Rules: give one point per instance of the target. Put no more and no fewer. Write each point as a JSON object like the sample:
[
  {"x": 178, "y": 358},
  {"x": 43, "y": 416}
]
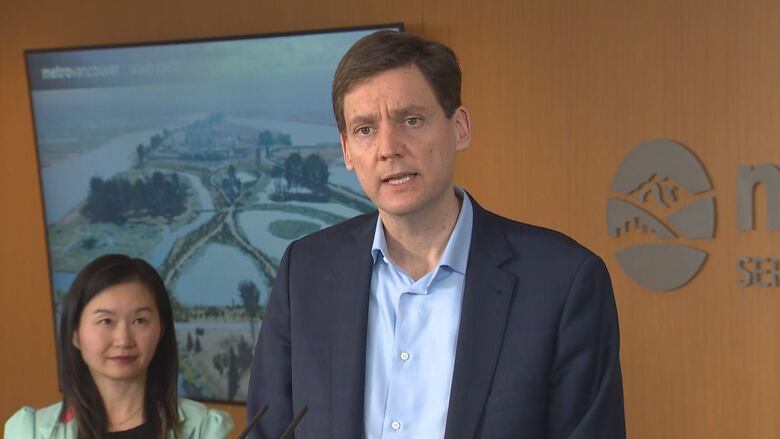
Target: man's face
[{"x": 400, "y": 143}]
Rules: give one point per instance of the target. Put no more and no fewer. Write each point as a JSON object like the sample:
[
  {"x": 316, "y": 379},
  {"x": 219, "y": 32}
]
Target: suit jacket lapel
[
  {"x": 486, "y": 297},
  {"x": 350, "y": 319}
]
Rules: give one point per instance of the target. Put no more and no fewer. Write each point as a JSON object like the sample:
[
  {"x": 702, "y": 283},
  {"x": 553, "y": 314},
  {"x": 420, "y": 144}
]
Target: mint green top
[{"x": 197, "y": 422}]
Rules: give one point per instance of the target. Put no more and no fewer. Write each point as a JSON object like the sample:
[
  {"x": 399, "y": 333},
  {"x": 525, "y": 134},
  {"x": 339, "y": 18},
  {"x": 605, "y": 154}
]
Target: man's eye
[
  {"x": 363, "y": 131},
  {"x": 413, "y": 121}
]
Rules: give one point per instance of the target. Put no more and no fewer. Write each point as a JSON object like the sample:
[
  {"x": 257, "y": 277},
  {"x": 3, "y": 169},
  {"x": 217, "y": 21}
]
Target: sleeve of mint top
[
  {"x": 21, "y": 425},
  {"x": 201, "y": 422},
  {"x": 216, "y": 425}
]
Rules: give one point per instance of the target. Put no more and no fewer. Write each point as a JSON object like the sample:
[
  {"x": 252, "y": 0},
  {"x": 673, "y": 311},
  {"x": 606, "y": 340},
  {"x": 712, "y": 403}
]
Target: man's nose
[{"x": 391, "y": 142}]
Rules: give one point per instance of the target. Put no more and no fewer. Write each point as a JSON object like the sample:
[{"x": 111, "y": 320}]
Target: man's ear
[
  {"x": 345, "y": 152},
  {"x": 462, "y": 126}
]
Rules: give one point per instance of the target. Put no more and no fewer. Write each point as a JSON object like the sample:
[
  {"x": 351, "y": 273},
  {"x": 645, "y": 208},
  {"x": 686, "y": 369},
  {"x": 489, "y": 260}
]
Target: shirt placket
[{"x": 399, "y": 413}]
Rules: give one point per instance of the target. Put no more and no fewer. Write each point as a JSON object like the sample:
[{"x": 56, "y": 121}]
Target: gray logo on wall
[{"x": 661, "y": 191}]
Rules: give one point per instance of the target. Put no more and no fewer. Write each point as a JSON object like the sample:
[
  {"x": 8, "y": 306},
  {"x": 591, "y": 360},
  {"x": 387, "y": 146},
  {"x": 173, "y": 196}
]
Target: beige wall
[{"x": 559, "y": 92}]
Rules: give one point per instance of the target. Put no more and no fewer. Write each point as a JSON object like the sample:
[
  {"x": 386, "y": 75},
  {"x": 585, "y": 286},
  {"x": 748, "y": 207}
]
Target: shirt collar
[{"x": 456, "y": 253}]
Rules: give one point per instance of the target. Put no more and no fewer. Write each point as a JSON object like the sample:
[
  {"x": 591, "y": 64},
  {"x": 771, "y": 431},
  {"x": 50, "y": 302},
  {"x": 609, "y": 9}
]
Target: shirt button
[
  {"x": 405, "y": 356},
  {"x": 396, "y": 425}
]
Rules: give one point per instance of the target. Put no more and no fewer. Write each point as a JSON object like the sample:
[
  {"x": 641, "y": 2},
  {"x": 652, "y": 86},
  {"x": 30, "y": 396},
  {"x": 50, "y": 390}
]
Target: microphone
[
  {"x": 291, "y": 428},
  {"x": 253, "y": 422}
]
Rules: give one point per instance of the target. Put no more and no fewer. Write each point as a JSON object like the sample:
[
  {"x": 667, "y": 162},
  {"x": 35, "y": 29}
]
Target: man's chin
[{"x": 400, "y": 209}]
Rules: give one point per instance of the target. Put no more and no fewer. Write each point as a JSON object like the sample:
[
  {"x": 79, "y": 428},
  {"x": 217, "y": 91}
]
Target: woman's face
[{"x": 119, "y": 332}]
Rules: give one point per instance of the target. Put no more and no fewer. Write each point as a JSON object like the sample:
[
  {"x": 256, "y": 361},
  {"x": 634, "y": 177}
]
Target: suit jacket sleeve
[
  {"x": 270, "y": 379},
  {"x": 586, "y": 399}
]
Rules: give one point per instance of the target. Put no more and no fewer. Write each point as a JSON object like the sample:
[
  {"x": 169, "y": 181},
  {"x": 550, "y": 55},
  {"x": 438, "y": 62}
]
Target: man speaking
[{"x": 431, "y": 318}]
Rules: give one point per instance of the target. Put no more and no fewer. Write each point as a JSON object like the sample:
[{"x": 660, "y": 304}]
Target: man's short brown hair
[{"x": 386, "y": 50}]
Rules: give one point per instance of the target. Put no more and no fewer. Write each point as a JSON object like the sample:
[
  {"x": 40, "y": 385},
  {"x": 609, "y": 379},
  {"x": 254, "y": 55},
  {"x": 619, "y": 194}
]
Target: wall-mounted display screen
[{"x": 205, "y": 158}]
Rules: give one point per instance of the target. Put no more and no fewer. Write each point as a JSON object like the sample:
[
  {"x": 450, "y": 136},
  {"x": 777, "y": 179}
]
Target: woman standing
[{"x": 119, "y": 364}]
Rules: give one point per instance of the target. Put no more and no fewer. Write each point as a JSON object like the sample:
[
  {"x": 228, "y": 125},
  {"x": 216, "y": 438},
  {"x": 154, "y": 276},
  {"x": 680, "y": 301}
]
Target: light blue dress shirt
[{"x": 412, "y": 337}]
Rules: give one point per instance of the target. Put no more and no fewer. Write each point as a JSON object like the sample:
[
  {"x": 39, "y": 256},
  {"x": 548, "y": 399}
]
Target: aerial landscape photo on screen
[{"x": 204, "y": 158}]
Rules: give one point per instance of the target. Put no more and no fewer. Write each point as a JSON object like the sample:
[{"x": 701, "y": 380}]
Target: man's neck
[{"x": 416, "y": 242}]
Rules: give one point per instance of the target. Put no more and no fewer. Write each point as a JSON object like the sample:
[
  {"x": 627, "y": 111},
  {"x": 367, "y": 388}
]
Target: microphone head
[
  {"x": 253, "y": 422},
  {"x": 291, "y": 428}
]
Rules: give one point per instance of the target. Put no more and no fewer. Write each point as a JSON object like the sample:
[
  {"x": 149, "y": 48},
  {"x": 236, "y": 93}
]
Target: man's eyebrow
[
  {"x": 361, "y": 119},
  {"x": 398, "y": 113},
  {"x": 407, "y": 110}
]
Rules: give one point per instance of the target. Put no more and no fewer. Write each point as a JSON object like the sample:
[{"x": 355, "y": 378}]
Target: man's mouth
[{"x": 398, "y": 179}]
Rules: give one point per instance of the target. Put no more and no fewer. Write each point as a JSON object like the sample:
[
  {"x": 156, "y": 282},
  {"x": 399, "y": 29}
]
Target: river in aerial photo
[{"x": 212, "y": 277}]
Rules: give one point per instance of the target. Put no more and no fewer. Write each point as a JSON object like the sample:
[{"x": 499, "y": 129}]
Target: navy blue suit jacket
[{"x": 537, "y": 353}]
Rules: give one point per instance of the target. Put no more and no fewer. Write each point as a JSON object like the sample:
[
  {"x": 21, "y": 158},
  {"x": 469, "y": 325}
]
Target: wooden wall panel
[{"x": 559, "y": 92}]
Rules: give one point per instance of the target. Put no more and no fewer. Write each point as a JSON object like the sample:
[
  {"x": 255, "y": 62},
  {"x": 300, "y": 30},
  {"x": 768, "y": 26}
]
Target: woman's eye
[
  {"x": 139, "y": 321},
  {"x": 104, "y": 322}
]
